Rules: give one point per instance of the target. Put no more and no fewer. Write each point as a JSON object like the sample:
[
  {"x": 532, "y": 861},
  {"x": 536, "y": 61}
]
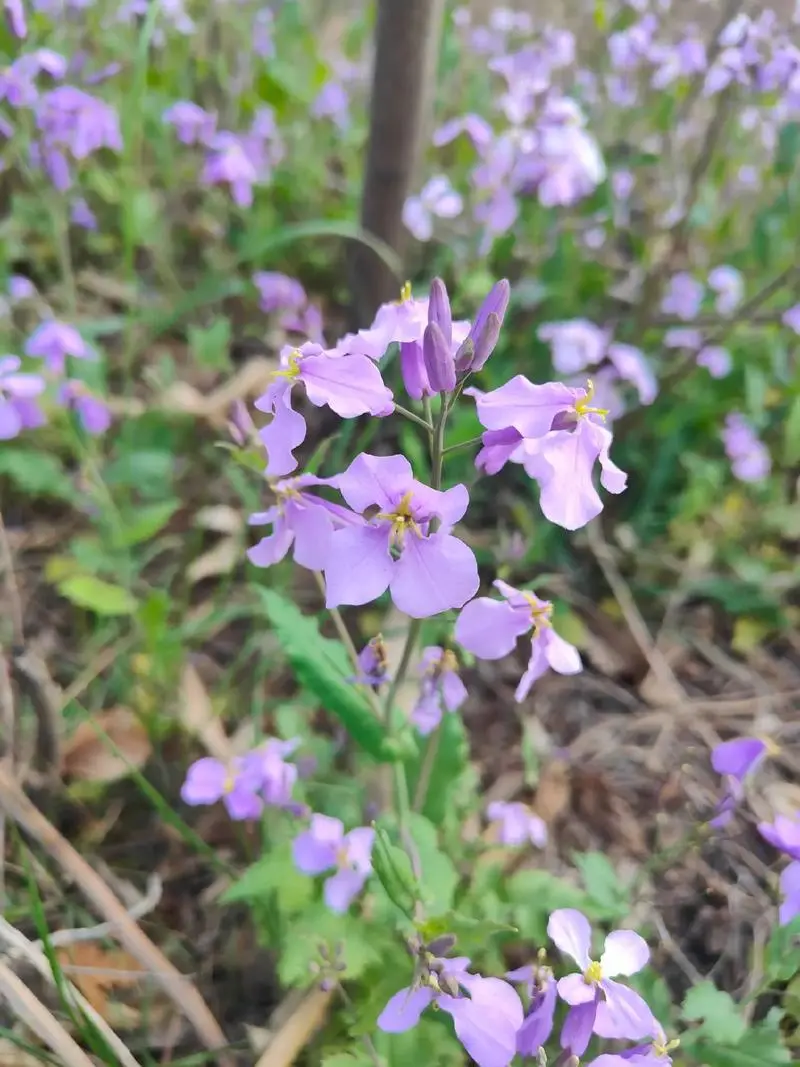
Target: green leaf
[
  {"x": 760, "y": 1046},
  {"x": 322, "y": 667},
  {"x": 788, "y": 149},
  {"x": 451, "y": 761},
  {"x": 347, "y": 1059},
  {"x": 320, "y": 932},
  {"x": 791, "y": 434},
  {"x": 782, "y": 955},
  {"x": 535, "y": 893},
  {"x": 602, "y": 884},
  {"x": 274, "y": 873},
  {"x": 466, "y": 929},
  {"x": 438, "y": 876},
  {"x": 719, "y": 1013},
  {"x": 147, "y": 520},
  {"x": 36, "y": 473},
  {"x": 98, "y": 596},
  {"x": 393, "y": 869},
  {"x": 210, "y": 345}
]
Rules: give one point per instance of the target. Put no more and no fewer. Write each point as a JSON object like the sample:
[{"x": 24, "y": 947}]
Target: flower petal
[
  {"x": 623, "y": 1013},
  {"x": 574, "y": 990},
  {"x": 349, "y": 385},
  {"x": 433, "y": 575},
  {"x": 571, "y": 932},
  {"x": 561, "y": 655},
  {"x": 577, "y": 1029},
  {"x": 342, "y": 887},
  {"x": 313, "y": 533},
  {"x": 359, "y": 567},
  {"x": 490, "y": 628},
  {"x": 487, "y": 1022},
  {"x": 403, "y": 1010},
  {"x": 375, "y": 480},
  {"x": 281, "y": 436},
  {"x": 529, "y": 408},
  {"x": 625, "y": 952}
]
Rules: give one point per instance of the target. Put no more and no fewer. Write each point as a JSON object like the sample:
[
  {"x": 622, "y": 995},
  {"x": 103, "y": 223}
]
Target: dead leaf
[
  {"x": 221, "y": 518},
  {"x": 554, "y": 791},
  {"x": 198, "y": 716},
  {"x": 221, "y": 559},
  {"x": 96, "y": 971},
  {"x": 88, "y": 757}
]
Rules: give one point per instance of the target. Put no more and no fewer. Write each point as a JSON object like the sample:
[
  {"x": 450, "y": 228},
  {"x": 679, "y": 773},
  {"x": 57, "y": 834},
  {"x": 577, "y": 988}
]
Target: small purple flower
[
  {"x": 716, "y": 360},
  {"x": 535, "y": 1031},
  {"x": 728, "y": 284},
  {"x": 349, "y": 385},
  {"x": 486, "y": 1012},
  {"x": 15, "y": 13},
  {"x": 656, "y": 1053},
  {"x": 332, "y": 102},
  {"x": 236, "y": 784},
  {"x": 396, "y": 548},
  {"x": 93, "y": 413},
  {"x": 783, "y": 834},
  {"x": 734, "y": 760},
  {"x": 476, "y": 128},
  {"x": 193, "y": 125},
  {"x": 441, "y": 689},
  {"x": 631, "y": 365},
  {"x": 683, "y": 297},
  {"x": 373, "y": 664},
  {"x": 790, "y": 891},
  {"x": 235, "y": 161},
  {"x": 490, "y": 629},
  {"x": 575, "y": 344},
  {"x": 82, "y": 215},
  {"x": 598, "y": 1004},
  {"x": 517, "y": 824},
  {"x": 298, "y": 518},
  {"x": 683, "y": 337},
  {"x": 20, "y": 288},
  {"x": 278, "y": 292},
  {"x": 53, "y": 341},
  {"x": 791, "y": 318},
  {"x": 278, "y": 775},
  {"x": 18, "y": 409},
  {"x": 325, "y": 845},
  {"x": 72, "y": 119},
  {"x": 437, "y": 200},
  {"x": 750, "y": 460}
]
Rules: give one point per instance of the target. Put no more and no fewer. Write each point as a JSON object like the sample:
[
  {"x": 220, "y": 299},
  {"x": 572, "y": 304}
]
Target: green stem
[
  {"x": 413, "y": 418},
  {"x": 463, "y": 444},
  {"x": 426, "y": 770}
]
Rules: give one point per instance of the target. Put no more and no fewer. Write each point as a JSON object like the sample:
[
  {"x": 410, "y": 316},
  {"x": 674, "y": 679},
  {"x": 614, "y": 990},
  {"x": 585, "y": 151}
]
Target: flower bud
[
  {"x": 393, "y": 869},
  {"x": 438, "y": 360},
  {"x": 465, "y": 356},
  {"x": 486, "y": 327},
  {"x": 439, "y": 309},
  {"x": 413, "y": 370}
]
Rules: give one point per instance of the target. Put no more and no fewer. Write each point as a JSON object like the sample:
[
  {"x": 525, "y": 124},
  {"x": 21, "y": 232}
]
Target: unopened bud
[
  {"x": 486, "y": 341},
  {"x": 441, "y": 945},
  {"x": 393, "y": 869},
  {"x": 486, "y": 327},
  {"x": 412, "y": 369},
  {"x": 439, "y": 309},
  {"x": 465, "y": 355},
  {"x": 438, "y": 360}
]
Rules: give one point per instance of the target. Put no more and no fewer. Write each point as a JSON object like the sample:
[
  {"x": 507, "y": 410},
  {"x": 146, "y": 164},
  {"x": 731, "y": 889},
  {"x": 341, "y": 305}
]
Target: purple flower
[
  {"x": 437, "y": 199},
  {"x": 349, "y": 385},
  {"x": 243, "y": 160},
  {"x": 236, "y": 784},
  {"x": 598, "y": 1004},
  {"x": 325, "y": 845},
  {"x": 278, "y": 775},
  {"x": 564, "y": 439},
  {"x": 301, "y": 519},
  {"x": 631, "y": 365},
  {"x": 332, "y": 102},
  {"x": 791, "y": 318},
  {"x": 728, "y": 284},
  {"x": 542, "y": 996},
  {"x": 486, "y": 1012},
  {"x": 734, "y": 760},
  {"x": 656, "y": 1053},
  {"x": 192, "y": 123},
  {"x": 53, "y": 341},
  {"x": 683, "y": 297},
  {"x": 477, "y": 129},
  {"x": 716, "y": 360},
  {"x": 575, "y": 344},
  {"x": 15, "y": 13},
  {"x": 490, "y": 629},
  {"x": 373, "y": 664},
  {"x": 783, "y": 834},
  {"x": 82, "y": 215},
  {"x": 20, "y": 288},
  {"x": 18, "y": 409},
  {"x": 485, "y": 330},
  {"x": 93, "y": 413},
  {"x": 441, "y": 689},
  {"x": 75, "y": 120},
  {"x": 428, "y": 571},
  {"x": 790, "y": 891},
  {"x": 279, "y": 292},
  {"x": 683, "y": 337},
  {"x": 517, "y": 824},
  {"x": 750, "y": 460}
]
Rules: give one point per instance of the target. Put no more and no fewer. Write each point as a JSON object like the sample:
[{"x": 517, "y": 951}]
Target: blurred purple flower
[
  {"x": 535, "y": 1031},
  {"x": 193, "y": 125},
  {"x": 790, "y": 891},
  {"x": 53, "y": 341},
  {"x": 476, "y": 128},
  {"x": 598, "y": 1004},
  {"x": 299, "y": 518},
  {"x": 575, "y": 344},
  {"x": 325, "y": 845},
  {"x": 20, "y": 288},
  {"x": 683, "y": 337},
  {"x": 332, "y": 102},
  {"x": 750, "y": 460},
  {"x": 631, "y": 365},
  {"x": 791, "y": 318},
  {"x": 93, "y": 413},
  {"x": 683, "y": 297},
  {"x": 18, "y": 409},
  {"x": 262, "y": 37},
  {"x": 490, "y": 629},
  {"x": 716, "y": 360},
  {"x": 441, "y": 689},
  {"x": 656, "y": 1053},
  {"x": 236, "y": 784},
  {"x": 437, "y": 199},
  {"x": 517, "y": 824},
  {"x": 82, "y": 215},
  {"x": 428, "y": 572},
  {"x": 486, "y": 1016},
  {"x": 728, "y": 284},
  {"x": 783, "y": 834},
  {"x": 72, "y": 119},
  {"x": 278, "y": 775},
  {"x": 231, "y": 162},
  {"x": 15, "y": 15},
  {"x": 278, "y": 291},
  {"x": 734, "y": 760},
  {"x": 373, "y": 664}
]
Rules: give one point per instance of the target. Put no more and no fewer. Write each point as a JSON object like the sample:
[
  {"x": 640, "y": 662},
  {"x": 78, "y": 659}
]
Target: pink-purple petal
[
  {"x": 349, "y": 385},
  {"x": 625, "y": 952},
  {"x": 490, "y": 628},
  {"x": 403, "y": 1010},
  {"x": 433, "y": 575},
  {"x": 359, "y": 566},
  {"x": 375, "y": 480},
  {"x": 623, "y": 1013},
  {"x": 569, "y": 929},
  {"x": 573, "y": 989}
]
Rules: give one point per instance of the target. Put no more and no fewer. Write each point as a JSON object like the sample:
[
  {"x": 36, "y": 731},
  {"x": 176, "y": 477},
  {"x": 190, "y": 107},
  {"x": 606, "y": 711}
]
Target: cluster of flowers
[
  {"x": 493, "y": 1026},
  {"x": 737, "y": 761},
  {"x": 52, "y": 342}
]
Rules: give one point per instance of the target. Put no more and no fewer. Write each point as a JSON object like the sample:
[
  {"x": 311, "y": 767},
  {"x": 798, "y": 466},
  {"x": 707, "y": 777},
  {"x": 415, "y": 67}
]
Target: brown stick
[
  {"x": 407, "y": 38},
  {"x": 176, "y": 985}
]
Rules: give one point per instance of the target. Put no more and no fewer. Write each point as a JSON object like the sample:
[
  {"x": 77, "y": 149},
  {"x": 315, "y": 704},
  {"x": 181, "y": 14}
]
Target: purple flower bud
[
  {"x": 15, "y": 15},
  {"x": 438, "y": 360},
  {"x": 439, "y": 309},
  {"x": 486, "y": 328}
]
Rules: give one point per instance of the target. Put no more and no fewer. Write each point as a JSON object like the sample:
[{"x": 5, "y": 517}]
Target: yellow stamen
[
  {"x": 664, "y": 1050},
  {"x": 540, "y": 613},
  {"x": 401, "y": 519},
  {"x": 593, "y": 973},
  {"x": 582, "y": 407},
  {"x": 405, "y": 293},
  {"x": 293, "y": 368},
  {"x": 773, "y": 748}
]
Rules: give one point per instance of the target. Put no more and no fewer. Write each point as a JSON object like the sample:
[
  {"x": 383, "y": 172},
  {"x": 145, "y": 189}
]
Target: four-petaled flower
[
  {"x": 349, "y": 385},
  {"x": 735, "y": 760},
  {"x": 298, "y": 518},
  {"x": 490, "y": 628},
  {"x": 598, "y": 1004},
  {"x": 517, "y": 824},
  {"x": 18, "y": 408},
  {"x": 53, "y": 341},
  {"x": 325, "y": 845},
  {"x": 246, "y": 783},
  {"x": 656, "y": 1053},
  {"x": 441, "y": 689},
  {"x": 542, "y": 997},
  {"x": 486, "y": 1012},
  {"x": 398, "y": 546}
]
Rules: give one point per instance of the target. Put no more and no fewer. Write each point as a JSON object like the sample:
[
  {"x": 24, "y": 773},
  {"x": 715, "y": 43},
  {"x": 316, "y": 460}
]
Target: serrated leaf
[
  {"x": 319, "y": 930},
  {"x": 275, "y": 873},
  {"x": 322, "y": 667},
  {"x": 103, "y": 598},
  {"x": 720, "y": 1016}
]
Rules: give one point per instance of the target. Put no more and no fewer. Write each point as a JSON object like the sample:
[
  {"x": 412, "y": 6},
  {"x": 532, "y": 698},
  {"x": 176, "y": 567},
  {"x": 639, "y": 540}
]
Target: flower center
[
  {"x": 342, "y": 857},
  {"x": 583, "y": 408},
  {"x": 540, "y": 612},
  {"x": 292, "y": 368},
  {"x": 661, "y": 1049},
  {"x": 402, "y": 521},
  {"x": 593, "y": 973},
  {"x": 405, "y": 293}
]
